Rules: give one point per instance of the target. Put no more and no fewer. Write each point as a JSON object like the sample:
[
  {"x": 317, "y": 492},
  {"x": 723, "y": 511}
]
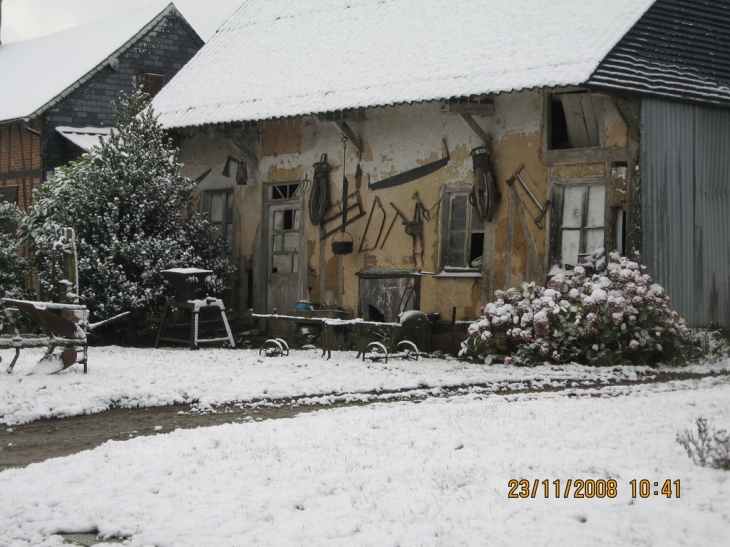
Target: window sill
[{"x": 457, "y": 274}]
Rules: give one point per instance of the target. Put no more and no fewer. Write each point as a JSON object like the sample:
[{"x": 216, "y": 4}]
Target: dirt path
[{"x": 37, "y": 441}]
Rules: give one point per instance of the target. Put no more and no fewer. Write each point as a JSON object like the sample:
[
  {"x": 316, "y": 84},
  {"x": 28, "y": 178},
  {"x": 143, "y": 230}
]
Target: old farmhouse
[
  {"x": 382, "y": 155},
  {"x": 56, "y": 91}
]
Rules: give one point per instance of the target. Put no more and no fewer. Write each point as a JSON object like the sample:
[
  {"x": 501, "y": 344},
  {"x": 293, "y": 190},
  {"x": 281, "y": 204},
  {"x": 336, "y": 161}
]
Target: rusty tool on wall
[
  {"x": 319, "y": 196},
  {"x": 484, "y": 195},
  {"x": 413, "y": 174},
  {"x": 414, "y": 228},
  {"x": 543, "y": 209},
  {"x": 376, "y": 202}
]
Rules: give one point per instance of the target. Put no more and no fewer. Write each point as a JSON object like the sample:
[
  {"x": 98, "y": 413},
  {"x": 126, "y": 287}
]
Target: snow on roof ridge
[{"x": 41, "y": 71}]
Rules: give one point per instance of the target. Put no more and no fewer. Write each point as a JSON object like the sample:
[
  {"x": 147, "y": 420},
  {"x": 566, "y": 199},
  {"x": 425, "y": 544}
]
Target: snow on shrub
[
  {"x": 133, "y": 214},
  {"x": 13, "y": 266},
  {"x": 616, "y": 316}
]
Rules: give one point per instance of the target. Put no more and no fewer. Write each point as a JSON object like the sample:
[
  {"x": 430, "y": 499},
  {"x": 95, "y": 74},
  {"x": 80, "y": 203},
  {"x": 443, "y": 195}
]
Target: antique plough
[
  {"x": 65, "y": 325},
  {"x": 58, "y": 332}
]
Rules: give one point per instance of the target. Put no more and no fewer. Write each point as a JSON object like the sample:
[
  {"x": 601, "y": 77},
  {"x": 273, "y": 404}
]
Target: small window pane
[
  {"x": 295, "y": 262},
  {"x": 570, "y": 246},
  {"x": 457, "y": 249},
  {"x": 282, "y": 263},
  {"x": 296, "y": 219},
  {"x": 458, "y": 212},
  {"x": 573, "y": 206},
  {"x": 594, "y": 239},
  {"x": 596, "y": 206},
  {"x": 278, "y": 243},
  {"x": 278, "y": 220},
  {"x": 476, "y": 224},
  {"x": 216, "y": 207},
  {"x": 291, "y": 241}
]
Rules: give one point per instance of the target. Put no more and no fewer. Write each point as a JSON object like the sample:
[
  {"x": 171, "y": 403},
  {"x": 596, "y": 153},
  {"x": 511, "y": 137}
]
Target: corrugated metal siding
[
  {"x": 685, "y": 198},
  {"x": 678, "y": 49}
]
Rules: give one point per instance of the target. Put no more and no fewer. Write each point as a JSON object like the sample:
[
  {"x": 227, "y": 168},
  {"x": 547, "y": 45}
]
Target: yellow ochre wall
[{"x": 396, "y": 139}]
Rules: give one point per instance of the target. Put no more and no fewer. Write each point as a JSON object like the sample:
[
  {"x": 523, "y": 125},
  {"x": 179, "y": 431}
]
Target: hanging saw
[{"x": 413, "y": 174}]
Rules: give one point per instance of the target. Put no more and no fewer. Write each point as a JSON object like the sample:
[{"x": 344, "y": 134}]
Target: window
[
  {"x": 151, "y": 83},
  {"x": 462, "y": 233},
  {"x": 219, "y": 207},
  {"x": 581, "y": 210},
  {"x": 9, "y": 194},
  {"x": 575, "y": 120},
  {"x": 284, "y": 191}
]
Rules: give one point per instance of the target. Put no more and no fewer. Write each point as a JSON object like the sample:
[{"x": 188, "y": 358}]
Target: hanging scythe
[{"x": 413, "y": 174}]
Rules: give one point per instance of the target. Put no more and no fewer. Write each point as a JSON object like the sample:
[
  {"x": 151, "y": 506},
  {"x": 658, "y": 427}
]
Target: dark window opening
[
  {"x": 476, "y": 249},
  {"x": 558, "y": 128},
  {"x": 284, "y": 191},
  {"x": 288, "y": 219},
  {"x": 575, "y": 120},
  {"x": 9, "y": 194},
  {"x": 151, "y": 83}
]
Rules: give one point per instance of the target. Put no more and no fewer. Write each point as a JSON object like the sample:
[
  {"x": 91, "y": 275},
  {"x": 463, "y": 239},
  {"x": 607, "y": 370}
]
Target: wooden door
[{"x": 283, "y": 249}]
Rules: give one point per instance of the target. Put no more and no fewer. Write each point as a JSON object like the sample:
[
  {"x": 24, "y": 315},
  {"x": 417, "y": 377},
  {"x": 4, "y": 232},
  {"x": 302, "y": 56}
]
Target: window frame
[
  {"x": 448, "y": 192},
  {"x": 228, "y": 219},
  {"x": 151, "y": 82}
]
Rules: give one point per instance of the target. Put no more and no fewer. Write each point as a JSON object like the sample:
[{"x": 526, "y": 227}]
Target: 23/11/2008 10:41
[{"x": 589, "y": 488}]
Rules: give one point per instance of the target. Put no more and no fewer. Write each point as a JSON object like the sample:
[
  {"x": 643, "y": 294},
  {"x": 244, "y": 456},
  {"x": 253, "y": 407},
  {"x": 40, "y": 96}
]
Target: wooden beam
[
  {"x": 480, "y": 108},
  {"x": 350, "y": 134},
  {"x": 478, "y": 131}
]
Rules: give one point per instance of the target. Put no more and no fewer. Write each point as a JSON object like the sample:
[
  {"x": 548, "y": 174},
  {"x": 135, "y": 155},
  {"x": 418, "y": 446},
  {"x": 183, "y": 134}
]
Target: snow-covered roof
[
  {"x": 35, "y": 74},
  {"x": 84, "y": 137},
  {"x": 279, "y": 58}
]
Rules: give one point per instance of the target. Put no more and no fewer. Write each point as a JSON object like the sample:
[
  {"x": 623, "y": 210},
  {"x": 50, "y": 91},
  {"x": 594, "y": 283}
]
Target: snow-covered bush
[
  {"x": 13, "y": 266},
  {"x": 711, "y": 448},
  {"x": 133, "y": 214},
  {"x": 616, "y": 316}
]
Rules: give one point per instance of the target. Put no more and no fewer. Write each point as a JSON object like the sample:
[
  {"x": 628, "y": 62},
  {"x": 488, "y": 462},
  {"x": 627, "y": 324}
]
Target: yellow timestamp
[{"x": 589, "y": 488}]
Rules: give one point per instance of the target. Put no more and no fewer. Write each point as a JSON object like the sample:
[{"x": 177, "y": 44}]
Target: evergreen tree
[
  {"x": 13, "y": 267},
  {"x": 133, "y": 214}
]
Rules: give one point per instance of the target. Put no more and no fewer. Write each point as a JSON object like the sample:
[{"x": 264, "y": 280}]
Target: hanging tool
[
  {"x": 357, "y": 206},
  {"x": 413, "y": 174},
  {"x": 414, "y": 228},
  {"x": 376, "y": 202},
  {"x": 424, "y": 210},
  {"x": 484, "y": 195},
  {"x": 543, "y": 209},
  {"x": 319, "y": 196}
]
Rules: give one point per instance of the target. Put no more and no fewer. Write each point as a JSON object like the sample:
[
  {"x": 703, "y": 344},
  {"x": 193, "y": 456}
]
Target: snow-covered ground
[
  {"x": 435, "y": 473},
  {"x": 128, "y": 377}
]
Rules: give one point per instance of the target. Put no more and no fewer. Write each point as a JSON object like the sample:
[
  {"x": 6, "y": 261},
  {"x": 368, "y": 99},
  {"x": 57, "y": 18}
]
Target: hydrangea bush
[{"x": 617, "y": 316}]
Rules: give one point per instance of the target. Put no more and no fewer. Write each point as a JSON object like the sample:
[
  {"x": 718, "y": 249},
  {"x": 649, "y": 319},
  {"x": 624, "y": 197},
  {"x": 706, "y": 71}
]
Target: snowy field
[
  {"x": 128, "y": 377},
  {"x": 430, "y": 474},
  {"x": 392, "y": 473}
]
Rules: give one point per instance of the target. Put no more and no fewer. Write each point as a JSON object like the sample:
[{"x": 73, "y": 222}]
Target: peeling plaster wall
[{"x": 397, "y": 139}]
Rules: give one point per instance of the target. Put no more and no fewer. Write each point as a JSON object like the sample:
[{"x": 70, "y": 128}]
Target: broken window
[
  {"x": 218, "y": 204},
  {"x": 575, "y": 120},
  {"x": 151, "y": 83},
  {"x": 581, "y": 210},
  {"x": 462, "y": 233}
]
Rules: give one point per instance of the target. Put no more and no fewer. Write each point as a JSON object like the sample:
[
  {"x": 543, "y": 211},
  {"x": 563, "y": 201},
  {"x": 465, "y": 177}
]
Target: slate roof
[
  {"x": 280, "y": 58},
  {"x": 36, "y": 74},
  {"x": 679, "y": 49}
]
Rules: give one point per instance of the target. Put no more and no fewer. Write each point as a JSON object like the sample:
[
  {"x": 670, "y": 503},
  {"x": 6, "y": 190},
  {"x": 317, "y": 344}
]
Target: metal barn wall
[{"x": 685, "y": 162}]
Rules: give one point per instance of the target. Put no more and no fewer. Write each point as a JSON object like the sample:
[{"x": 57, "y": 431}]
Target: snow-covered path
[
  {"x": 133, "y": 377},
  {"x": 434, "y": 473}
]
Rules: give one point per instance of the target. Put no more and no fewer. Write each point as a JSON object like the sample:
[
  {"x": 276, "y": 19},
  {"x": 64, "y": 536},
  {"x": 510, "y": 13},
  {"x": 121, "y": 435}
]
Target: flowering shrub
[{"x": 617, "y": 316}]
